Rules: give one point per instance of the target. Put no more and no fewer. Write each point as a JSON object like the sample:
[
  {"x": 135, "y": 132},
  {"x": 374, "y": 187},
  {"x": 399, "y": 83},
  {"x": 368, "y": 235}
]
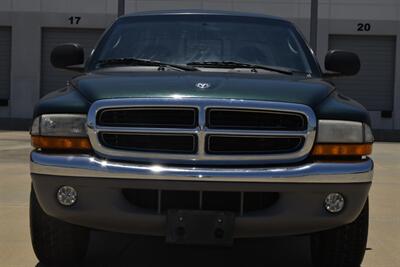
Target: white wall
[
  {"x": 60, "y": 6},
  {"x": 329, "y": 9}
]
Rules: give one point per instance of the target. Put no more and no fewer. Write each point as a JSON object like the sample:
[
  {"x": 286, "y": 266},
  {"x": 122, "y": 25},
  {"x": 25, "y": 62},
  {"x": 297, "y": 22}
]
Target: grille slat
[
  {"x": 148, "y": 117},
  {"x": 162, "y": 143},
  {"x": 252, "y": 144},
  {"x": 255, "y": 120}
]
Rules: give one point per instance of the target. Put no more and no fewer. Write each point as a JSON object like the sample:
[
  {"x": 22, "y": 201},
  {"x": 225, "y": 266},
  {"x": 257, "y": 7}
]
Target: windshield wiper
[
  {"x": 142, "y": 62},
  {"x": 233, "y": 65}
]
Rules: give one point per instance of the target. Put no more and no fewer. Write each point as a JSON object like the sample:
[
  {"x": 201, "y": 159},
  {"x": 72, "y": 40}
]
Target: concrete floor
[{"x": 108, "y": 249}]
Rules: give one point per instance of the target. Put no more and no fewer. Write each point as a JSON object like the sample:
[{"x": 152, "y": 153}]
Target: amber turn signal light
[
  {"x": 342, "y": 150},
  {"x": 61, "y": 143}
]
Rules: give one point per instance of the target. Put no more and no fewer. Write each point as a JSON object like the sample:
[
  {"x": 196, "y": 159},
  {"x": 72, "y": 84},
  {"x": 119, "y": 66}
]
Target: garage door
[
  {"x": 5, "y": 58},
  {"x": 374, "y": 85},
  {"x": 51, "y": 78}
]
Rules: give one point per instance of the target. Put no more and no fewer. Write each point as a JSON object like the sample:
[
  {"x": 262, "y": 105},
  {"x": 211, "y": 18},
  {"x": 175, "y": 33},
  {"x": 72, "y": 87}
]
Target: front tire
[
  {"x": 56, "y": 243},
  {"x": 344, "y": 246}
]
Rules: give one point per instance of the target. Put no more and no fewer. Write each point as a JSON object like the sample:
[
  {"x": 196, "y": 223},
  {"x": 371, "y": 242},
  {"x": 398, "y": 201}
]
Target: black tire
[
  {"x": 56, "y": 243},
  {"x": 344, "y": 246}
]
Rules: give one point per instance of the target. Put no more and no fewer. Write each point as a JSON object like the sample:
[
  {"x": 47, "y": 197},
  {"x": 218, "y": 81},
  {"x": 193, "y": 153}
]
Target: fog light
[
  {"x": 334, "y": 203},
  {"x": 67, "y": 195}
]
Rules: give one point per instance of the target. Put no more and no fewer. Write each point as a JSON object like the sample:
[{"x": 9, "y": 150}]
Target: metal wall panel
[
  {"x": 5, "y": 62},
  {"x": 52, "y": 78},
  {"x": 374, "y": 85}
]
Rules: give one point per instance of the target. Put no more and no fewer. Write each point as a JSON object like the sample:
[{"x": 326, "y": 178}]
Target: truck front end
[{"x": 203, "y": 152}]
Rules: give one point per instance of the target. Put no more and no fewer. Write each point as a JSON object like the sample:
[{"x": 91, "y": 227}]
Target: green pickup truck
[{"x": 201, "y": 127}]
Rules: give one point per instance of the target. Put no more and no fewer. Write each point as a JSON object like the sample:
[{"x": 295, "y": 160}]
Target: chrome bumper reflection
[{"x": 89, "y": 166}]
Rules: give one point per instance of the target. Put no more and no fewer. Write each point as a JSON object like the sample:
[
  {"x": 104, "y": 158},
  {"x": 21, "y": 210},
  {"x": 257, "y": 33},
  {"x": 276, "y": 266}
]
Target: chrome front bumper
[{"x": 90, "y": 166}]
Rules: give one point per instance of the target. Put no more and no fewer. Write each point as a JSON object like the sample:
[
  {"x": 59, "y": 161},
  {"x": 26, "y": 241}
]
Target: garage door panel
[
  {"x": 374, "y": 85},
  {"x": 5, "y": 61},
  {"x": 52, "y": 78}
]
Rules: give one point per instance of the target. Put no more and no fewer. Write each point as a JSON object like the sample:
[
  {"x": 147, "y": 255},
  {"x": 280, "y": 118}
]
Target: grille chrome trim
[{"x": 201, "y": 157}]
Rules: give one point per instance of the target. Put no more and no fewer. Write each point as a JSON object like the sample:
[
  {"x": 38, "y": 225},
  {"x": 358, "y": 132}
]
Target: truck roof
[{"x": 203, "y": 12}]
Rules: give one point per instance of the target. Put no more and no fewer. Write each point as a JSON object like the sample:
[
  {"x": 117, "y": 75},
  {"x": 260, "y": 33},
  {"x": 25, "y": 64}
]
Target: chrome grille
[{"x": 276, "y": 132}]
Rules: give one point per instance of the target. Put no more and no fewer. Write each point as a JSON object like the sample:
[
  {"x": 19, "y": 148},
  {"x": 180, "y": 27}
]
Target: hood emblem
[{"x": 203, "y": 85}]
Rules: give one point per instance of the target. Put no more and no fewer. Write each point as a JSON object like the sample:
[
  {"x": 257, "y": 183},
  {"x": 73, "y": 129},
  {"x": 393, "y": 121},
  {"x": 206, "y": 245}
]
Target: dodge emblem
[{"x": 203, "y": 85}]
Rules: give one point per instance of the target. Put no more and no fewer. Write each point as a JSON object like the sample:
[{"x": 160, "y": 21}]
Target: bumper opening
[{"x": 160, "y": 201}]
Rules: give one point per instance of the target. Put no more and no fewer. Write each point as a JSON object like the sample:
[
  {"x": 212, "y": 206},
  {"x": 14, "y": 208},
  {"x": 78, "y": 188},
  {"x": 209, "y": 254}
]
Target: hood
[{"x": 222, "y": 85}]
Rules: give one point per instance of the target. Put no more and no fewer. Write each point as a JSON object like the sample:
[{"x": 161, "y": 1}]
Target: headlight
[
  {"x": 60, "y": 131},
  {"x": 60, "y": 125},
  {"x": 343, "y": 138}
]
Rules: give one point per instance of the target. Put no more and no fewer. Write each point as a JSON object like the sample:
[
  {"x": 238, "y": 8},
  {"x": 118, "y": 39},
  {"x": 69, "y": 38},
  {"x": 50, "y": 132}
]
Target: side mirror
[
  {"x": 69, "y": 57},
  {"x": 342, "y": 63}
]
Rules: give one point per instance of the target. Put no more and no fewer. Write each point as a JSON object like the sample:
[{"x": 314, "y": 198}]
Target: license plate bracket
[{"x": 198, "y": 227}]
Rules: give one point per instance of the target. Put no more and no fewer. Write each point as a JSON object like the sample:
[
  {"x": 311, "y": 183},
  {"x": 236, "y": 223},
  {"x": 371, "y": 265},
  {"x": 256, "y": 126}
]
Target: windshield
[{"x": 187, "y": 39}]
